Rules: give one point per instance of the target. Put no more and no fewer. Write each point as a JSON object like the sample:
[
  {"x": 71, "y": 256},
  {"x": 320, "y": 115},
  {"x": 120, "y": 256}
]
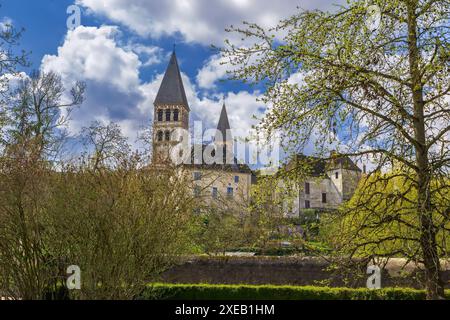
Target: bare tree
[
  {"x": 27, "y": 270},
  {"x": 39, "y": 111},
  {"x": 9, "y": 63},
  {"x": 122, "y": 222},
  {"x": 107, "y": 142}
]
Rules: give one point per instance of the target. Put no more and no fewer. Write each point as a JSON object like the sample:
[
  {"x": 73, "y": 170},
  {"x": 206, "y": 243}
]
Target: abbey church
[
  {"x": 329, "y": 185},
  {"x": 223, "y": 180}
]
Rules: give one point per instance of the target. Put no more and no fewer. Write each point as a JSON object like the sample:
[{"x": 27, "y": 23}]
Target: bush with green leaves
[{"x": 270, "y": 292}]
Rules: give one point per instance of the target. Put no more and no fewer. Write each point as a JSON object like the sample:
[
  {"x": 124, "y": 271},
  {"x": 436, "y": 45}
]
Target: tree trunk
[
  {"x": 430, "y": 255},
  {"x": 433, "y": 280}
]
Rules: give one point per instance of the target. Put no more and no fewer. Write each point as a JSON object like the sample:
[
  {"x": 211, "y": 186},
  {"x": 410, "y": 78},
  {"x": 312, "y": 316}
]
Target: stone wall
[
  {"x": 274, "y": 270},
  {"x": 317, "y": 186}
]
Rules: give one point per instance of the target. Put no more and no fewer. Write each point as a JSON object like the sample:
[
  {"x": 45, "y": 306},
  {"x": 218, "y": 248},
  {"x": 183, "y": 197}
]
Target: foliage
[
  {"x": 111, "y": 224},
  {"x": 121, "y": 221},
  {"x": 268, "y": 292},
  {"x": 387, "y": 226},
  {"x": 27, "y": 268},
  {"x": 217, "y": 231},
  {"x": 266, "y": 212},
  {"x": 379, "y": 94}
]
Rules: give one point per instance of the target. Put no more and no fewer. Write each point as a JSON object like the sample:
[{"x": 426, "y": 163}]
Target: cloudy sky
[{"x": 122, "y": 47}]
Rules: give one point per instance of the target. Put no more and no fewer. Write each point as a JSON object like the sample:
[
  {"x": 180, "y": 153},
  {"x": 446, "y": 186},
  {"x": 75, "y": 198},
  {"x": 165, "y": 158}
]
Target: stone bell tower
[{"x": 171, "y": 111}]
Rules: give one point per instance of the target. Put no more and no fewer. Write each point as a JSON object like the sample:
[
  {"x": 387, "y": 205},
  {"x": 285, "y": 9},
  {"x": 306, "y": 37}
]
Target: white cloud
[
  {"x": 151, "y": 55},
  {"x": 213, "y": 71},
  {"x": 93, "y": 53},
  {"x": 241, "y": 107},
  {"x": 115, "y": 92},
  {"x": 111, "y": 73},
  {"x": 202, "y": 21},
  {"x": 10, "y": 82}
]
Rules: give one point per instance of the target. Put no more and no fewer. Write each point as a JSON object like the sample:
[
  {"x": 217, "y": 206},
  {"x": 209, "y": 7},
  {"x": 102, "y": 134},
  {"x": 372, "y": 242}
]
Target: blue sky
[{"x": 122, "y": 47}]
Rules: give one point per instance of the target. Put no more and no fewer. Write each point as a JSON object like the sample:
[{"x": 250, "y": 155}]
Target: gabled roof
[
  {"x": 223, "y": 124},
  {"x": 317, "y": 166},
  {"x": 312, "y": 166},
  {"x": 342, "y": 162},
  {"x": 171, "y": 90}
]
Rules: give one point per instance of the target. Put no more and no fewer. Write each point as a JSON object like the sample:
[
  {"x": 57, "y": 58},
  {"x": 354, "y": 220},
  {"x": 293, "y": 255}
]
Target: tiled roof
[
  {"x": 318, "y": 166},
  {"x": 172, "y": 89}
]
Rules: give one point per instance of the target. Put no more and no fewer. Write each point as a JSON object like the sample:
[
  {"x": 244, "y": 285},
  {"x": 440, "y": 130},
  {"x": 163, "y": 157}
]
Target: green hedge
[{"x": 270, "y": 292}]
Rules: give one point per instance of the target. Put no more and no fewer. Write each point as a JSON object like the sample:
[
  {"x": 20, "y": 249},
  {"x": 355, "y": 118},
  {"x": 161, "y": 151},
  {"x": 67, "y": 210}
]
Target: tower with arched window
[{"x": 171, "y": 111}]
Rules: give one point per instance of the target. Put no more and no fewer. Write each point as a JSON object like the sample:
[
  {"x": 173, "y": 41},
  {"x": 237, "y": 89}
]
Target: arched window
[
  {"x": 168, "y": 114},
  {"x": 167, "y": 135},
  {"x": 160, "y": 136},
  {"x": 160, "y": 115},
  {"x": 176, "y": 114}
]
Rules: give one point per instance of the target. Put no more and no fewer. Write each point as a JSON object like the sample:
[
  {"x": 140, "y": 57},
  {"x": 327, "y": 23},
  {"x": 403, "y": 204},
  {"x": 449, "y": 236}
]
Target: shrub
[{"x": 270, "y": 292}]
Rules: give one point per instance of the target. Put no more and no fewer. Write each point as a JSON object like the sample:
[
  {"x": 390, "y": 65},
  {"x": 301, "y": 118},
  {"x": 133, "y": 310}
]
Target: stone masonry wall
[{"x": 272, "y": 270}]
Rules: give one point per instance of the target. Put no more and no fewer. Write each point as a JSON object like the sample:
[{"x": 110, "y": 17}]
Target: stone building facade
[
  {"x": 224, "y": 180},
  {"x": 325, "y": 185}
]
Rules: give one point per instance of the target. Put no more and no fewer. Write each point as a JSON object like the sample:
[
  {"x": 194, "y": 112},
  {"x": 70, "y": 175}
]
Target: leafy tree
[
  {"x": 218, "y": 231},
  {"x": 386, "y": 225},
  {"x": 266, "y": 210},
  {"x": 220, "y": 222},
  {"x": 378, "y": 92}
]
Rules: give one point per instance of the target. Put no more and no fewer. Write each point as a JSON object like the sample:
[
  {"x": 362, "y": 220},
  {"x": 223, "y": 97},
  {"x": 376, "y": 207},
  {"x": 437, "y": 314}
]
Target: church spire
[
  {"x": 171, "y": 112},
  {"x": 224, "y": 125},
  {"x": 223, "y": 140},
  {"x": 172, "y": 91}
]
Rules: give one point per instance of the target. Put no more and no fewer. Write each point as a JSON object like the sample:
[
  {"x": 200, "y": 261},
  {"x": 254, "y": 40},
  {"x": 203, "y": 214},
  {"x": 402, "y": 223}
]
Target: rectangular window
[
  {"x": 236, "y": 179},
  {"x": 197, "y": 191},
  {"x": 307, "y": 188},
  {"x": 307, "y": 204},
  {"x": 214, "y": 192},
  {"x": 324, "y": 198},
  {"x": 160, "y": 115},
  {"x": 168, "y": 115},
  {"x": 197, "y": 176},
  {"x": 175, "y": 115},
  {"x": 230, "y": 191},
  {"x": 337, "y": 175}
]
